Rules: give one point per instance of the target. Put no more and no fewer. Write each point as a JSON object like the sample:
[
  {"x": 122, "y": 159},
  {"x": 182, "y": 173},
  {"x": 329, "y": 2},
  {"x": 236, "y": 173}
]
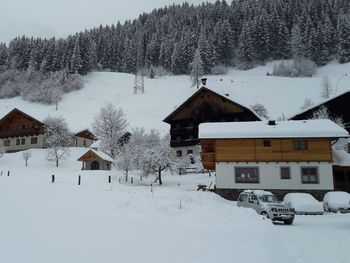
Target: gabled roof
[
  {"x": 15, "y": 110},
  {"x": 190, "y": 99},
  {"x": 87, "y": 134},
  {"x": 99, "y": 154},
  {"x": 314, "y": 106},
  {"x": 282, "y": 129}
]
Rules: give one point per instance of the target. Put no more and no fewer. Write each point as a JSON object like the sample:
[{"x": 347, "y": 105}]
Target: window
[
  {"x": 23, "y": 141},
  {"x": 18, "y": 141},
  {"x": 7, "y": 142},
  {"x": 179, "y": 153},
  {"x": 189, "y": 151},
  {"x": 84, "y": 143},
  {"x": 309, "y": 175},
  {"x": 300, "y": 145},
  {"x": 242, "y": 197},
  {"x": 34, "y": 140},
  {"x": 267, "y": 143},
  {"x": 285, "y": 172},
  {"x": 247, "y": 175},
  {"x": 34, "y": 126},
  {"x": 253, "y": 199}
]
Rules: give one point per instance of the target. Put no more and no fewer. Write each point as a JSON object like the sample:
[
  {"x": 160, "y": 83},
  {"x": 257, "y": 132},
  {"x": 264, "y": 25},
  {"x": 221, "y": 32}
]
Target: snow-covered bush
[
  {"x": 307, "y": 104},
  {"x": 219, "y": 70},
  {"x": 300, "y": 67},
  {"x": 36, "y": 86}
]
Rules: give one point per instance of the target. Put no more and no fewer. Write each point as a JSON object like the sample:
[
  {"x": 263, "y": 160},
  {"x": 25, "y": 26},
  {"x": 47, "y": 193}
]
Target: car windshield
[{"x": 268, "y": 199}]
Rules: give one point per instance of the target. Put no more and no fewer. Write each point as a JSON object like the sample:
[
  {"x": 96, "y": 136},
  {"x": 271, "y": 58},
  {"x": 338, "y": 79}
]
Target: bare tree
[
  {"x": 159, "y": 157},
  {"x": 260, "y": 110},
  {"x": 26, "y": 155},
  {"x": 57, "y": 138},
  {"x": 327, "y": 90},
  {"x": 307, "y": 104},
  {"x": 109, "y": 126},
  {"x": 125, "y": 157}
]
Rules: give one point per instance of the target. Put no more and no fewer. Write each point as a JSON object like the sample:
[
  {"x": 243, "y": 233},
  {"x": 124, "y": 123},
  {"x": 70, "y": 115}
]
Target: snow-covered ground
[
  {"x": 281, "y": 96},
  {"x": 42, "y": 222}
]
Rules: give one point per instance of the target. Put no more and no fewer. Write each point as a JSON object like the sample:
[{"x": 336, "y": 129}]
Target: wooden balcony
[{"x": 20, "y": 133}]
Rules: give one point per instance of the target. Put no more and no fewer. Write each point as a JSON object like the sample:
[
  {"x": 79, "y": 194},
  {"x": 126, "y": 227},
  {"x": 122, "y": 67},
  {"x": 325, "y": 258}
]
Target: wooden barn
[
  {"x": 203, "y": 106},
  {"x": 19, "y": 131},
  {"x": 95, "y": 160},
  {"x": 282, "y": 157},
  {"x": 337, "y": 106}
]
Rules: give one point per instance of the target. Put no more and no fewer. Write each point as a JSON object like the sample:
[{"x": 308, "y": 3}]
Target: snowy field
[
  {"x": 280, "y": 95},
  {"x": 42, "y": 222}
]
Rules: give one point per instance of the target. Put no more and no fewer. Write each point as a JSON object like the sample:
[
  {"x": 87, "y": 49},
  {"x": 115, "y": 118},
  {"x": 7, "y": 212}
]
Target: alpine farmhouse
[
  {"x": 203, "y": 106},
  {"x": 281, "y": 157}
]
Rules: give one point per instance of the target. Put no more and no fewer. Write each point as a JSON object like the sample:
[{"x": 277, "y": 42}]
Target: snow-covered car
[
  {"x": 303, "y": 204},
  {"x": 265, "y": 203},
  {"x": 337, "y": 201}
]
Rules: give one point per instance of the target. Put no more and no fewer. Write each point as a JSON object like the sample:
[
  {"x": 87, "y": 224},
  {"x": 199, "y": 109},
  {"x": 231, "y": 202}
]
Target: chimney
[
  {"x": 204, "y": 81},
  {"x": 272, "y": 122}
]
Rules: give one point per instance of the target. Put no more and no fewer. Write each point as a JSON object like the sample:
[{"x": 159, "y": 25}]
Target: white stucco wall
[
  {"x": 79, "y": 142},
  {"x": 269, "y": 176},
  {"x": 27, "y": 145}
]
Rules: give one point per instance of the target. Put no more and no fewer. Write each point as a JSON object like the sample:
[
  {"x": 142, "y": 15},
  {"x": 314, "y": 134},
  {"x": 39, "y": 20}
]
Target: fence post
[
  {"x": 8, "y": 173},
  {"x": 79, "y": 180},
  {"x": 109, "y": 179},
  {"x": 53, "y": 178},
  {"x": 1, "y": 173},
  {"x": 132, "y": 180}
]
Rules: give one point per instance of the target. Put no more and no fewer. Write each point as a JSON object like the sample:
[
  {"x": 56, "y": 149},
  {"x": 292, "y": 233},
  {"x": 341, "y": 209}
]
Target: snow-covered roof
[
  {"x": 341, "y": 158},
  {"x": 102, "y": 155},
  {"x": 282, "y": 129},
  {"x": 226, "y": 96},
  {"x": 314, "y": 106}
]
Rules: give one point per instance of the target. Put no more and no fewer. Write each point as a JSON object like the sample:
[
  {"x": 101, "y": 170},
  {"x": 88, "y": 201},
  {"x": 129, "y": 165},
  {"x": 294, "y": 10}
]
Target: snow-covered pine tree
[
  {"x": 76, "y": 62},
  {"x": 343, "y": 29},
  {"x": 197, "y": 69}
]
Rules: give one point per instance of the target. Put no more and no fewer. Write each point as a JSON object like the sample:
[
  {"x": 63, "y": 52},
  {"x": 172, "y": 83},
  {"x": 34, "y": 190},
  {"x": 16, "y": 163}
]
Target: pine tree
[
  {"x": 75, "y": 60},
  {"x": 343, "y": 39},
  {"x": 197, "y": 69},
  {"x": 246, "y": 47}
]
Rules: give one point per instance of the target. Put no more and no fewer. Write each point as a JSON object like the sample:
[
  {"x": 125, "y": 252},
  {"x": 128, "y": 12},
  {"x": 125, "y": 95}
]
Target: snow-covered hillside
[
  {"x": 42, "y": 222},
  {"x": 281, "y": 96}
]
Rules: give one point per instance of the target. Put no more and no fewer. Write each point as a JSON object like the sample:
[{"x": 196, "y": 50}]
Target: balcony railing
[{"x": 20, "y": 133}]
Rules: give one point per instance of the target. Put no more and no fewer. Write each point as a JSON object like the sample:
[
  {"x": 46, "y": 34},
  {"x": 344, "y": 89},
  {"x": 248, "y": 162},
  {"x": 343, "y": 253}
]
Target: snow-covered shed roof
[
  {"x": 281, "y": 129},
  {"x": 102, "y": 155}
]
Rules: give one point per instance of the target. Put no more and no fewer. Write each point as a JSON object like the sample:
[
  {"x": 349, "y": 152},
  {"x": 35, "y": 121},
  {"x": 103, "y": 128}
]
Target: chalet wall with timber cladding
[
  {"x": 19, "y": 131},
  {"x": 204, "y": 106},
  {"x": 264, "y": 150}
]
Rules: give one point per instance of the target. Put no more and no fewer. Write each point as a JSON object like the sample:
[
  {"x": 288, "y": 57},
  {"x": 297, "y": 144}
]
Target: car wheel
[
  {"x": 264, "y": 213},
  {"x": 288, "y": 222}
]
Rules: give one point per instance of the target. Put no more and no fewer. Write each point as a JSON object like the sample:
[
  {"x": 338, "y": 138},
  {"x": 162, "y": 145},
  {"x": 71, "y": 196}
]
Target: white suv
[{"x": 265, "y": 203}]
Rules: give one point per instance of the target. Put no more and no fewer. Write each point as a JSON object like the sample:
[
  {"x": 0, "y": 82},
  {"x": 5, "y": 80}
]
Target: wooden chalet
[
  {"x": 19, "y": 131},
  {"x": 95, "y": 160},
  {"x": 281, "y": 157},
  {"x": 84, "y": 138},
  {"x": 203, "y": 106},
  {"x": 337, "y": 106}
]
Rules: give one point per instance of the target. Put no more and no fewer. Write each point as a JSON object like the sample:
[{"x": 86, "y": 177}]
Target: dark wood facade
[
  {"x": 253, "y": 150},
  {"x": 203, "y": 106},
  {"x": 19, "y": 124},
  {"x": 337, "y": 107}
]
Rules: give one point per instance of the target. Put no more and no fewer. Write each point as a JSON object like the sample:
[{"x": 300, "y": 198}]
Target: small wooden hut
[{"x": 95, "y": 160}]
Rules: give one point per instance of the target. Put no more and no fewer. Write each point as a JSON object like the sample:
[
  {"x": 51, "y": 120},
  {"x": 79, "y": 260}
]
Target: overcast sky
[{"x": 59, "y": 18}]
